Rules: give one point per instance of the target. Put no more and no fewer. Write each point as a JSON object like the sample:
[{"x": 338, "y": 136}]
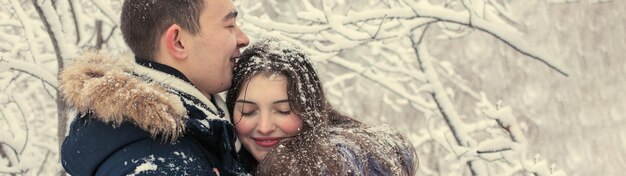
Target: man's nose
[{"x": 242, "y": 39}]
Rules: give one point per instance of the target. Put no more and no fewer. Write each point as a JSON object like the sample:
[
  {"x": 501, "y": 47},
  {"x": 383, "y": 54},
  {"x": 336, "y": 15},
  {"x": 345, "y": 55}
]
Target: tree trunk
[{"x": 61, "y": 107}]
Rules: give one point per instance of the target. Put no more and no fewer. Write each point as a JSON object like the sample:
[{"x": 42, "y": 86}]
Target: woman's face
[{"x": 262, "y": 115}]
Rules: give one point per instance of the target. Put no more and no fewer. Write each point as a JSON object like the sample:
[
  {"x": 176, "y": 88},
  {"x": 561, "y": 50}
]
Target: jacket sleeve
[
  {"x": 150, "y": 157},
  {"x": 94, "y": 147}
]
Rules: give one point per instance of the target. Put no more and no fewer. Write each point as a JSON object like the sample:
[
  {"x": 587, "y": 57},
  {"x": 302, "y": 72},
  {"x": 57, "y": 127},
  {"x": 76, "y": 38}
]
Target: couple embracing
[{"x": 158, "y": 113}]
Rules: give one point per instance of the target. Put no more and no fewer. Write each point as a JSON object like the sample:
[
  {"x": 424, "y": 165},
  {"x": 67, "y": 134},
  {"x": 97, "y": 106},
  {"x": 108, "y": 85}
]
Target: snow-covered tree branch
[
  {"x": 374, "y": 56},
  {"x": 382, "y": 42},
  {"x": 37, "y": 38}
]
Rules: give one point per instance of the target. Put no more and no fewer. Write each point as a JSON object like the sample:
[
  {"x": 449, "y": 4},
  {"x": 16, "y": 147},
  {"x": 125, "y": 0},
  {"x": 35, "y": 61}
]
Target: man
[{"x": 159, "y": 114}]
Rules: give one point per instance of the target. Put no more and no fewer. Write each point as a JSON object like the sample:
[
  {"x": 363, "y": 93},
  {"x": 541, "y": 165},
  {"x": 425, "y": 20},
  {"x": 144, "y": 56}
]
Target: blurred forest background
[{"x": 481, "y": 87}]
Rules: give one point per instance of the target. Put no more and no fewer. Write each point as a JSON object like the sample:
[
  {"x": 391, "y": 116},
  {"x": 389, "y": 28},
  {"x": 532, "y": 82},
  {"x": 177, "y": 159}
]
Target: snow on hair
[{"x": 274, "y": 57}]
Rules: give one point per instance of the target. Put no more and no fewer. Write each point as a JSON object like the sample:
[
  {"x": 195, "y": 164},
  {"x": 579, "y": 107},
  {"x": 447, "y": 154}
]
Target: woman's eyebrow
[
  {"x": 245, "y": 101},
  {"x": 282, "y": 101}
]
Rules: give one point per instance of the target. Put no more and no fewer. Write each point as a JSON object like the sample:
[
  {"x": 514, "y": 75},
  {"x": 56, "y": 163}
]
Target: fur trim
[{"x": 104, "y": 85}]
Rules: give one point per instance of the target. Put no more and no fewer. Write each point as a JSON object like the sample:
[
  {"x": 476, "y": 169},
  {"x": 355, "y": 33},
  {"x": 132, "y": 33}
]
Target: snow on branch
[
  {"x": 350, "y": 37},
  {"x": 503, "y": 32},
  {"x": 13, "y": 139},
  {"x": 439, "y": 94},
  {"x": 8, "y": 22},
  {"x": 474, "y": 17},
  {"x": 30, "y": 68},
  {"x": 289, "y": 28},
  {"x": 105, "y": 8},
  {"x": 36, "y": 36},
  {"x": 49, "y": 17},
  {"x": 383, "y": 82},
  {"x": 28, "y": 28}
]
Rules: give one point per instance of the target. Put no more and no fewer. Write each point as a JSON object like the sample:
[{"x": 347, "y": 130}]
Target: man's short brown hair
[{"x": 144, "y": 21}]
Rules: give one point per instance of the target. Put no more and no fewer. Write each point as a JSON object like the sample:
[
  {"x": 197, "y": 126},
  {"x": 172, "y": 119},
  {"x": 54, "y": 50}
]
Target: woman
[{"x": 287, "y": 127}]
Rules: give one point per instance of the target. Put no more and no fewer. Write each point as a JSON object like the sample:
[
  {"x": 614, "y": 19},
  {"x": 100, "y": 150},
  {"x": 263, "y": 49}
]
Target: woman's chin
[{"x": 259, "y": 156}]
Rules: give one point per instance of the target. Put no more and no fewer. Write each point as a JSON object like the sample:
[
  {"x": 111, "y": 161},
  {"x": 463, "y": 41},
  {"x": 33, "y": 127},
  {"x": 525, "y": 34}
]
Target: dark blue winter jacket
[{"x": 143, "y": 118}]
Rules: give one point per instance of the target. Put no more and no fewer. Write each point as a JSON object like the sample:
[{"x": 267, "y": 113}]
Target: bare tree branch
[
  {"x": 76, "y": 23},
  {"x": 106, "y": 10},
  {"x": 509, "y": 38},
  {"x": 99, "y": 40},
  {"x": 41, "y": 167}
]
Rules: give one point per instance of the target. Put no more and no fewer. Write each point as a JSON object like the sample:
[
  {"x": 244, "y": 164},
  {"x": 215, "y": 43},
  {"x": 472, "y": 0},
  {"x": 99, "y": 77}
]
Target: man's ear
[{"x": 173, "y": 43}]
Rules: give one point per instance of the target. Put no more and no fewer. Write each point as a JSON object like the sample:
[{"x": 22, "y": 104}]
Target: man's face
[{"x": 214, "y": 49}]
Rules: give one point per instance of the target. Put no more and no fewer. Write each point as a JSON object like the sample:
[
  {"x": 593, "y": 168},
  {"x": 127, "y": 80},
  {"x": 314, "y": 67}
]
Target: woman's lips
[{"x": 267, "y": 142}]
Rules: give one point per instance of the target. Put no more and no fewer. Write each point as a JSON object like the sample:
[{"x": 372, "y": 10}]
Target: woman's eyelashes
[
  {"x": 248, "y": 113},
  {"x": 287, "y": 112},
  {"x": 256, "y": 111}
]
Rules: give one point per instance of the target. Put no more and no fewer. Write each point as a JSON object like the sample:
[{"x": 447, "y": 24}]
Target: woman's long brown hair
[{"x": 316, "y": 150}]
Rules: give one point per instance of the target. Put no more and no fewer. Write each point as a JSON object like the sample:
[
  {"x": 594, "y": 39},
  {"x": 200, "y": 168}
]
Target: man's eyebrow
[{"x": 231, "y": 15}]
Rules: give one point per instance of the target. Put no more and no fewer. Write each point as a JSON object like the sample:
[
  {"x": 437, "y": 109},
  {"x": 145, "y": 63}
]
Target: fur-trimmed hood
[{"x": 106, "y": 86}]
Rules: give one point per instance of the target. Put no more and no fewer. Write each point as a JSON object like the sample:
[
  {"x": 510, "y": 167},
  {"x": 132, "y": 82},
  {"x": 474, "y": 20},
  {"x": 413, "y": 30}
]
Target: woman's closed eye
[
  {"x": 283, "y": 111},
  {"x": 248, "y": 113},
  {"x": 282, "y": 108}
]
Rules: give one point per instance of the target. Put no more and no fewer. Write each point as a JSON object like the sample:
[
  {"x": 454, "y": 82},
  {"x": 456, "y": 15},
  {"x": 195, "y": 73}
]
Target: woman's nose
[{"x": 266, "y": 125}]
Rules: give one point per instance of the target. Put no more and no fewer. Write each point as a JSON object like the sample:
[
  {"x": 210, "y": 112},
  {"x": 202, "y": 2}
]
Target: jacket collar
[
  {"x": 163, "y": 68},
  {"x": 109, "y": 88},
  {"x": 175, "y": 80}
]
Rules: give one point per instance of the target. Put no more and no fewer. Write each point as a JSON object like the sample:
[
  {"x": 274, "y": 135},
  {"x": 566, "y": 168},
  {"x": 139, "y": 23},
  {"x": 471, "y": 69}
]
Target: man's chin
[{"x": 228, "y": 83}]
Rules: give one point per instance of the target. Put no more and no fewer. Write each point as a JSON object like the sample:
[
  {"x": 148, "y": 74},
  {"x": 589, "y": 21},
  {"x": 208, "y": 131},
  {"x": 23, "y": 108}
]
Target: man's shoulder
[
  {"x": 153, "y": 157},
  {"x": 90, "y": 138},
  {"x": 89, "y": 126},
  {"x": 107, "y": 88},
  {"x": 100, "y": 148},
  {"x": 90, "y": 142}
]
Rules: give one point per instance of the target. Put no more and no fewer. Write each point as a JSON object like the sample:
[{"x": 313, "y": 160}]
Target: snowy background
[{"x": 491, "y": 69}]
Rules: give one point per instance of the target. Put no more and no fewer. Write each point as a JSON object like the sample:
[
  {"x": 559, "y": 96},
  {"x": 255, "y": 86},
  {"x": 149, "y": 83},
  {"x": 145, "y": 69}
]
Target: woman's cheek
[
  {"x": 244, "y": 127},
  {"x": 291, "y": 124}
]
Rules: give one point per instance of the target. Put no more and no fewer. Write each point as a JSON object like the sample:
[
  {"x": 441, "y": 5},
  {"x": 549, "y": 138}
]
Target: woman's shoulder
[
  {"x": 345, "y": 148},
  {"x": 353, "y": 130}
]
